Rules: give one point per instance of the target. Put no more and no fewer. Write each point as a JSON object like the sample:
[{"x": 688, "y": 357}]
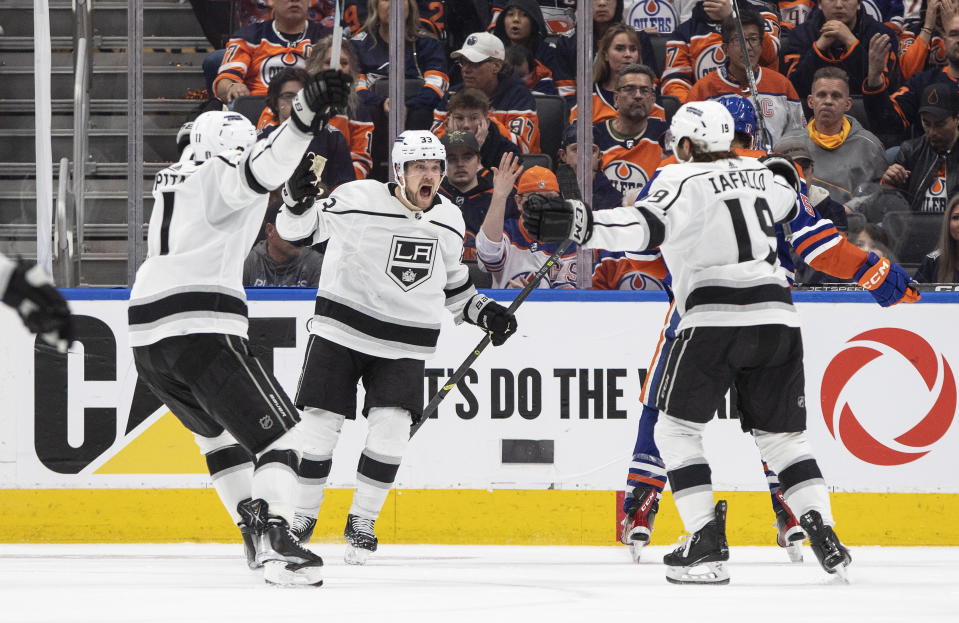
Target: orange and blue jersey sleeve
[
  {"x": 236, "y": 61},
  {"x": 678, "y": 75},
  {"x": 820, "y": 245}
]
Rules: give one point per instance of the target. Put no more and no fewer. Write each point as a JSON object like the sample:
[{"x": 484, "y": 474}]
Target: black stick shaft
[{"x": 478, "y": 350}]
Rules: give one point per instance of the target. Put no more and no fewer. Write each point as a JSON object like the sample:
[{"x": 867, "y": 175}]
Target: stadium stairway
[{"x": 174, "y": 47}]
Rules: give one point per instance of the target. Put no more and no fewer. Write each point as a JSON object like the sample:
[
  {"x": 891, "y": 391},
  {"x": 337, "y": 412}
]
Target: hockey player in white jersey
[
  {"x": 26, "y": 288},
  {"x": 188, "y": 319},
  {"x": 713, "y": 217},
  {"x": 392, "y": 264}
]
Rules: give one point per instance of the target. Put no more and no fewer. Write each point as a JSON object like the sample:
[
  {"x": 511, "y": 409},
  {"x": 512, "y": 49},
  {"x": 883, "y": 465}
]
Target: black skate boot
[
  {"x": 251, "y": 525},
  {"x": 832, "y": 555},
  {"x": 641, "y": 511},
  {"x": 707, "y": 547},
  {"x": 360, "y": 539},
  {"x": 302, "y": 527},
  {"x": 285, "y": 561}
]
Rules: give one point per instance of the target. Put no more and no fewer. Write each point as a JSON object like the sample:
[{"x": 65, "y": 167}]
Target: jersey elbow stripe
[
  {"x": 251, "y": 180},
  {"x": 814, "y": 252},
  {"x": 657, "y": 230}
]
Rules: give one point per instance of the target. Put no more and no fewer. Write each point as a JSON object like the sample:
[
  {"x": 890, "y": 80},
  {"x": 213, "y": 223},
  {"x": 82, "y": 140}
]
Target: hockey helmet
[
  {"x": 414, "y": 145},
  {"x": 743, "y": 113},
  {"x": 217, "y": 131},
  {"x": 707, "y": 124}
]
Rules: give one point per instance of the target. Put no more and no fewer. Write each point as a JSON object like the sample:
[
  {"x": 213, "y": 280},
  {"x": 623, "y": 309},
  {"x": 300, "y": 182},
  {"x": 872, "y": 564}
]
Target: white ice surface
[{"x": 418, "y": 583}]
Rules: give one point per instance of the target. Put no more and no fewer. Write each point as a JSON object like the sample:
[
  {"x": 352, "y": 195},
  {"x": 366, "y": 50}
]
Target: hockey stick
[
  {"x": 337, "y": 35},
  {"x": 762, "y": 142},
  {"x": 478, "y": 350}
]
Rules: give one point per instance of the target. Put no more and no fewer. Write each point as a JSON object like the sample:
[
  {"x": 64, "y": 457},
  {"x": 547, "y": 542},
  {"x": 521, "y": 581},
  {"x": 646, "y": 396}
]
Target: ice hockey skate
[
  {"x": 789, "y": 533},
  {"x": 302, "y": 527},
  {"x": 285, "y": 562},
  {"x": 251, "y": 526},
  {"x": 700, "y": 559},
  {"x": 360, "y": 539},
  {"x": 638, "y": 523},
  {"x": 832, "y": 555}
]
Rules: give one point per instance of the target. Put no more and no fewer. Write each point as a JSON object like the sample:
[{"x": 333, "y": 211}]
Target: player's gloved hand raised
[
  {"x": 304, "y": 187},
  {"x": 486, "y": 313},
  {"x": 784, "y": 167},
  {"x": 551, "y": 219},
  {"x": 31, "y": 293},
  {"x": 325, "y": 95},
  {"x": 886, "y": 281}
]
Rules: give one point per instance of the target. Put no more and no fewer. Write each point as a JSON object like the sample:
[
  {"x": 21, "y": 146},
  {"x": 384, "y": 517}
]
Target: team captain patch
[{"x": 411, "y": 261}]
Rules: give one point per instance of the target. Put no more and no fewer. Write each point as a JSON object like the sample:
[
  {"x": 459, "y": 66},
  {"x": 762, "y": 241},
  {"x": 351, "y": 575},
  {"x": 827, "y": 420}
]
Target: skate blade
[
  {"x": 636, "y": 550},
  {"x": 705, "y": 573},
  {"x": 276, "y": 572},
  {"x": 794, "y": 550},
  {"x": 355, "y": 555}
]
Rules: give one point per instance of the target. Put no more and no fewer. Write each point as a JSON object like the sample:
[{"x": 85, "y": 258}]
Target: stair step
[
  {"x": 103, "y": 144},
  {"x": 109, "y": 18},
  {"x": 105, "y": 169},
  {"x": 109, "y": 82},
  {"x": 108, "y": 59},
  {"x": 25, "y": 44}
]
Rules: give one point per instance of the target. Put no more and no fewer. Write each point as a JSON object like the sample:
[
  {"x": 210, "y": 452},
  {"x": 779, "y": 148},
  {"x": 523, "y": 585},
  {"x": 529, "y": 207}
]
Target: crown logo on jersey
[
  {"x": 411, "y": 261},
  {"x": 408, "y": 276}
]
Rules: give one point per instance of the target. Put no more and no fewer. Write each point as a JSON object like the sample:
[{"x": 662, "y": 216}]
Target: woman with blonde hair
[
  {"x": 356, "y": 122},
  {"x": 620, "y": 46},
  {"x": 942, "y": 265}
]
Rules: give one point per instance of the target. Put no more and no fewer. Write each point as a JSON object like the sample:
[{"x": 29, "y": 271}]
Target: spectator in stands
[
  {"x": 425, "y": 60},
  {"x": 510, "y": 254},
  {"x": 469, "y": 110},
  {"x": 695, "y": 47},
  {"x": 926, "y": 170},
  {"x": 606, "y": 14},
  {"x": 469, "y": 185},
  {"x": 630, "y": 142},
  {"x": 533, "y": 74},
  {"x": 778, "y": 100},
  {"x": 619, "y": 47},
  {"x": 605, "y": 194},
  {"x": 942, "y": 265},
  {"x": 255, "y": 54},
  {"x": 875, "y": 239},
  {"x": 838, "y": 34},
  {"x": 275, "y": 262},
  {"x": 356, "y": 123},
  {"x": 845, "y": 154},
  {"x": 432, "y": 15},
  {"x": 796, "y": 147},
  {"x": 521, "y": 25},
  {"x": 483, "y": 62},
  {"x": 560, "y": 15},
  {"x": 899, "y": 108},
  {"x": 921, "y": 42},
  {"x": 279, "y": 96}
]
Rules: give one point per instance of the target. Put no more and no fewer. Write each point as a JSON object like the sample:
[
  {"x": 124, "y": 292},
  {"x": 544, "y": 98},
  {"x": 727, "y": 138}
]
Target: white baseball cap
[{"x": 480, "y": 46}]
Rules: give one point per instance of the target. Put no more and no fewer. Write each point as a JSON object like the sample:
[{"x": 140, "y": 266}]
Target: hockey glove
[
  {"x": 304, "y": 187},
  {"x": 886, "y": 281},
  {"x": 783, "y": 166},
  {"x": 487, "y": 314},
  {"x": 551, "y": 219},
  {"x": 31, "y": 293},
  {"x": 324, "y": 96}
]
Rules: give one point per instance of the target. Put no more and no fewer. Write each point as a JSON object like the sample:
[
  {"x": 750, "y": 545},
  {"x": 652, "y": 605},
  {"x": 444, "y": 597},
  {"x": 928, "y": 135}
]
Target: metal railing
[{"x": 83, "y": 67}]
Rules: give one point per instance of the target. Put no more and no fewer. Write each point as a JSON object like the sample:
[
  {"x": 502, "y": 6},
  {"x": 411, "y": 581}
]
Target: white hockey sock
[
  {"x": 231, "y": 468},
  {"x": 316, "y": 460},
  {"x": 801, "y": 481},
  {"x": 681, "y": 445},
  {"x": 386, "y": 442}
]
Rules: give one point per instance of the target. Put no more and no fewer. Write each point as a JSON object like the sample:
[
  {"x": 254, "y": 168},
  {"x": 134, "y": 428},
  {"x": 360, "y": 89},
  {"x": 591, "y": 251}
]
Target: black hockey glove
[
  {"x": 324, "y": 96},
  {"x": 783, "y": 166},
  {"x": 487, "y": 314},
  {"x": 551, "y": 219},
  {"x": 304, "y": 187},
  {"x": 31, "y": 293}
]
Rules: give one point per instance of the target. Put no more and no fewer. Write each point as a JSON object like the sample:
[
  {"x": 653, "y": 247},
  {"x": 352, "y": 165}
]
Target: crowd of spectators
[{"x": 865, "y": 94}]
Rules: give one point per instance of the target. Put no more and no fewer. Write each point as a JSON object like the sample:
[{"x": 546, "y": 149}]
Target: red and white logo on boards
[{"x": 847, "y": 428}]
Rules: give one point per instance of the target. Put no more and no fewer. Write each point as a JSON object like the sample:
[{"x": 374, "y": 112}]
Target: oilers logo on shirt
[
  {"x": 935, "y": 198},
  {"x": 278, "y": 62},
  {"x": 711, "y": 59},
  {"x": 411, "y": 261},
  {"x": 658, "y": 14},
  {"x": 625, "y": 175}
]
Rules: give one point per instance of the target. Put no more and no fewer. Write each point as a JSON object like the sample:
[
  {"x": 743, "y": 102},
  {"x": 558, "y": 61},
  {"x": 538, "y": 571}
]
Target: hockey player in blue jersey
[{"x": 819, "y": 244}]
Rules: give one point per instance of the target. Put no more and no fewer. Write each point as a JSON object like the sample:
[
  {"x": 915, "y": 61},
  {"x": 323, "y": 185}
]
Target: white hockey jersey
[
  {"x": 7, "y": 267},
  {"x": 714, "y": 223},
  {"x": 388, "y": 271},
  {"x": 204, "y": 221}
]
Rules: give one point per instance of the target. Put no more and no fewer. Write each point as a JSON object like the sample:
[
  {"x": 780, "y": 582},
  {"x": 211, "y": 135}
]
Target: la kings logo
[{"x": 411, "y": 261}]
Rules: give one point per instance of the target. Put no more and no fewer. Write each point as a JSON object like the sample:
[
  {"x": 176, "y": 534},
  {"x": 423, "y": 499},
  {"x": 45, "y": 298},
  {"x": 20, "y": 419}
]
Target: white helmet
[
  {"x": 217, "y": 131},
  {"x": 415, "y": 145},
  {"x": 707, "y": 124}
]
